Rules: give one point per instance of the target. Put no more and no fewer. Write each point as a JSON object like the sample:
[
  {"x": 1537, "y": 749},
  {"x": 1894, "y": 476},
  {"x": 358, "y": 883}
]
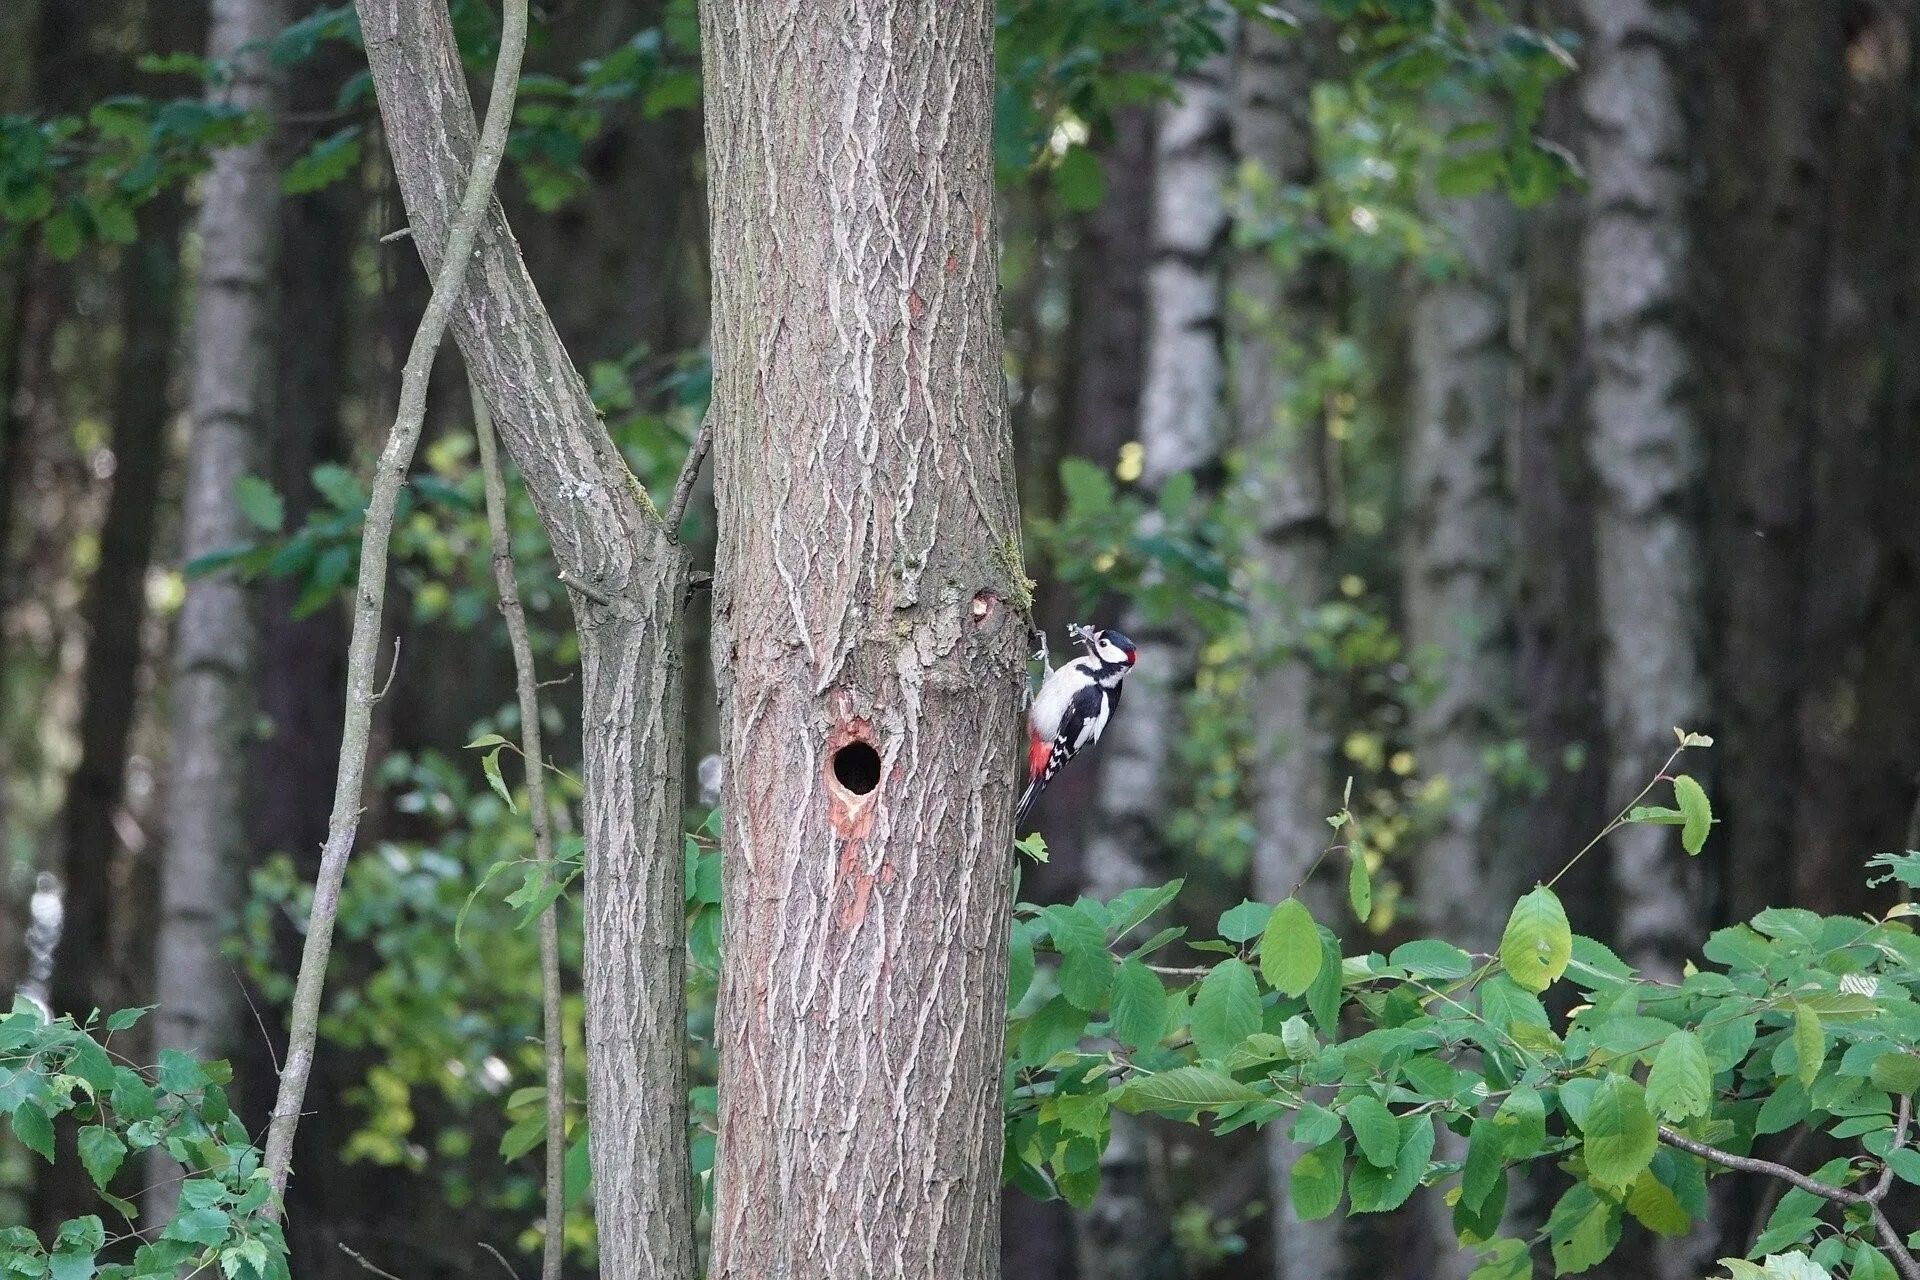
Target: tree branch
[
  {"x": 689, "y": 476},
  {"x": 1903, "y": 1261},
  {"x": 303, "y": 1022},
  {"x": 553, "y": 1047}
]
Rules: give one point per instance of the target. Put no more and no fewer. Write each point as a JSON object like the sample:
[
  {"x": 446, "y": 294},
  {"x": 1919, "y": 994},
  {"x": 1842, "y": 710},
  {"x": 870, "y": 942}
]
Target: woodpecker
[{"x": 1074, "y": 704}]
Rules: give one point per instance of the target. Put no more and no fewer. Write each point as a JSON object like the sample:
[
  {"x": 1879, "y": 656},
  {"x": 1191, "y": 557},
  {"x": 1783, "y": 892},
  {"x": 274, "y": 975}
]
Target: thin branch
[
  {"x": 500, "y": 1259},
  {"x": 689, "y": 476},
  {"x": 553, "y": 1049},
  {"x": 588, "y": 590},
  {"x": 1903, "y": 1261},
  {"x": 1902, "y": 1118},
  {"x": 364, "y": 1264},
  {"x": 304, "y": 1019}
]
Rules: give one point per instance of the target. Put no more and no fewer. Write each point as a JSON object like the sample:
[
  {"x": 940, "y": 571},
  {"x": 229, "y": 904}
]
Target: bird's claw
[{"x": 1041, "y": 653}]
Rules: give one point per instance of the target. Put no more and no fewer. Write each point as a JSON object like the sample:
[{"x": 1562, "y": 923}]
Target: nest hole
[{"x": 856, "y": 767}]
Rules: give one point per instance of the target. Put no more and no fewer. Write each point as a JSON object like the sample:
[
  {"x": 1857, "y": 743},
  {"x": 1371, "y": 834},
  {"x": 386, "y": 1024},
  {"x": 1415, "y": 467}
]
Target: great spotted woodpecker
[{"x": 1074, "y": 704}]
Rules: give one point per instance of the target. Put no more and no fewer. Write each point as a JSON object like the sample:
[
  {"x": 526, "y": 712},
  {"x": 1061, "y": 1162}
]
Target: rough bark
[
  {"x": 1646, "y": 444},
  {"x": 1180, "y": 428},
  {"x": 1277, "y": 316},
  {"x": 628, "y": 581},
  {"x": 230, "y": 414},
  {"x": 871, "y": 616},
  {"x": 1776, "y": 80}
]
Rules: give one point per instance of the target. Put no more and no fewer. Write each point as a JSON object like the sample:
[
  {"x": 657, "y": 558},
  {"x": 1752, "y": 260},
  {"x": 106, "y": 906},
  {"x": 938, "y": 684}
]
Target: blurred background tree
[{"x": 1451, "y": 399}]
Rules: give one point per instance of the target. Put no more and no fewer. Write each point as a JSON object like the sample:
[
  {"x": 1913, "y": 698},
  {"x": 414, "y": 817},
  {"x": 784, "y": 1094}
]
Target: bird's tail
[{"x": 1027, "y": 798}]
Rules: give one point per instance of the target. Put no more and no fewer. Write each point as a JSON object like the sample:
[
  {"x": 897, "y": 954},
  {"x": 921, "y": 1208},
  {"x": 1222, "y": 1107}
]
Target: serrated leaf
[
  {"x": 1680, "y": 1085},
  {"x": 1484, "y": 1164},
  {"x": 34, "y": 1129},
  {"x": 1508, "y": 1259},
  {"x": 1314, "y": 1182},
  {"x": 1324, "y": 996},
  {"x": 1656, "y": 1208},
  {"x": 1197, "y": 1088},
  {"x": 1086, "y": 966},
  {"x": 1692, "y": 801},
  {"x": 1139, "y": 1017},
  {"x": 1290, "y": 954},
  {"x": 101, "y": 1151},
  {"x": 1619, "y": 1133},
  {"x": 1359, "y": 885},
  {"x": 1376, "y": 1130},
  {"x": 1237, "y": 924},
  {"x": 1226, "y": 1009},
  {"x": 1809, "y": 1044},
  {"x": 1896, "y": 1071},
  {"x": 1431, "y": 958},
  {"x": 1537, "y": 943},
  {"x": 1375, "y": 1190},
  {"x": 1520, "y": 1123},
  {"x": 1583, "y": 1230}
]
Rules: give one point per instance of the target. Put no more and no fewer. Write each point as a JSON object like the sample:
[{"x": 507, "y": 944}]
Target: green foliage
[
  {"x": 1802, "y": 1021},
  {"x": 55, "y": 1072}
]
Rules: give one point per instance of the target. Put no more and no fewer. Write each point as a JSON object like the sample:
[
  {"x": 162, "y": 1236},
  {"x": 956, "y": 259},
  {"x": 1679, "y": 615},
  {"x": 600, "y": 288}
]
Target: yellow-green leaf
[
  {"x": 1538, "y": 942},
  {"x": 1681, "y": 1082},
  {"x": 1620, "y": 1136},
  {"x": 1809, "y": 1044},
  {"x": 1692, "y": 801}
]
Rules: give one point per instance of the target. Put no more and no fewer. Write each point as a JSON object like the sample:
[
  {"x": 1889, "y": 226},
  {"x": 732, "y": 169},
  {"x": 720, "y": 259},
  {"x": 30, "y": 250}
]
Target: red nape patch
[{"x": 1038, "y": 750}]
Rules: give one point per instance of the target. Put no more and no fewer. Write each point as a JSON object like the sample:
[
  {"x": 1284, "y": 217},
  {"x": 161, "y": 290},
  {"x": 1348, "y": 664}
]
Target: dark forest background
[{"x": 1452, "y": 404}]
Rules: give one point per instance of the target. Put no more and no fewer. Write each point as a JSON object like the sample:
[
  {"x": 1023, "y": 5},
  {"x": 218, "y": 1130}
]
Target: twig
[
  {"x": 502, "y": 1260},
  {"x": 304, "y": 1019},
  {"x": 554, "y": 1049},
  {"x": 393, "y": 669},
  {"x": 1903, "y": 1261},
  {"x": 401, "y": 234},
  {"x": 689, "y": 475},
  {"x": 588, "y": 590},
  {"x": 365, "y": 1265},
  {"x": 1902, "y": 1118}
]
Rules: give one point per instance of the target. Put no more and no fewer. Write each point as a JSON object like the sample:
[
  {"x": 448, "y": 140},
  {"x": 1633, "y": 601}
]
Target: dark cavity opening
[{"x": 857, "y": 767}]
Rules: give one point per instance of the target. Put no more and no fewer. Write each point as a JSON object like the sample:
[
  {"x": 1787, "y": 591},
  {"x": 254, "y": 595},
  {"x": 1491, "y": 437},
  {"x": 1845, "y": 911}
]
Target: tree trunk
[
  {"x": 1776, "y": 84},
  {"x": 1126, "y": 1232},
  {"x": 1277, "y": 319},
  {"x": 871, "y": 615},
  {"x": 1458, "y": 593},
  {"x": 1646, "y": 445},
  {"x": 628, "y": 580},
  {"x": 230, "y": 414}
]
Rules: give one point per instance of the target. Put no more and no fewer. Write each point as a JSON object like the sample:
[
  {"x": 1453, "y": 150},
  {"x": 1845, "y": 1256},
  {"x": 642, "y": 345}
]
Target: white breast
[{"x": 1051, "y": 702}]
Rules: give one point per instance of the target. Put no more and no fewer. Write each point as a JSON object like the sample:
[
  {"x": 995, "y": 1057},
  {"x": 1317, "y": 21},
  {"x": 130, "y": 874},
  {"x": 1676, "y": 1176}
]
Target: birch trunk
[
  {"x": 229, "y": 411},
  {"x": 1126, "y": 1232},
  {"x": 628, "y": 579},
  {"x": 1277, "y": 316},
  {"x": 1646, "y": 444},
  {"x": 1460, "y": 557},
  {"x": 871, "y": 619}
]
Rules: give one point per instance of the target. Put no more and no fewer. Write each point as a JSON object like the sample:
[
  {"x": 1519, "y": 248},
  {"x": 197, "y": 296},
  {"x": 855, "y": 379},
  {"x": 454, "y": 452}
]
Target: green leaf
[
  {"x": 1681, "y": 1083},
  {"x": 1226, "y": 1009},
  {"x": 1375, "y": 1190},
  {"x": 1359, "y": 885},
  {"x": 1237, "y": 924},
  {"x": 1619, "y": 1134},
  {"x": 1086, "y": 966},
  {"x": 1139, "y": 1006},
  {"x": 1896, "y": 1071},
  {"x": 1521, "y": 1124},
  {"x": 122, "y": 1019},
  {"x": 1809, "y": 1044},
  {"x": 1056, "y": 1025},
  {"x": 1692, "y": 800},
  {"x": 34, "y": 1129},
  {"x": 207, "y": 1226},
  {"x": 1323, "y": 997},
  {"x": 1484, "y": 1166},
  {"x": 1196, "y": 1088},
  {"x": 1375, "y": 1129},
  {"x": 490, "y": 765},
  {"x": 72, "y": 1264},
  {"x": 1538, "y": 942},
  {"x": 1508, "y": 1259},
  {"x": 1290, "y": 956},
  {"x": 524, "y": 1136},
  {"x": 1019, "y": 965},
  {"x": 1656, "y": 1208},
  {"x": 101, "y": 1151},
  {"x": 1314, "y": 1182},
  {"x": 1431, "y": 958},
  {"x": 1583, "y": 1229},
  {"x": 1868, "y": 1263},
  {"x": 259, "y": 504}
]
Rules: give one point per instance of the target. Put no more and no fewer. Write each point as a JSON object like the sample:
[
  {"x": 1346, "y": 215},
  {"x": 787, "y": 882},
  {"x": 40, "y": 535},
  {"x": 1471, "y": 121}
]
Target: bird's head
[{"x": 1111, "y": 647}]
